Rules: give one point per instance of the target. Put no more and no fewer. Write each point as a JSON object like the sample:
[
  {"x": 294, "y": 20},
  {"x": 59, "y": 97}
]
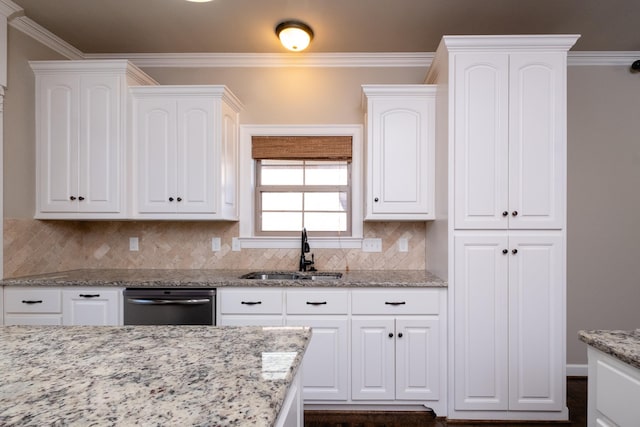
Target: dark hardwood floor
[{"x": 576, "y": 401}]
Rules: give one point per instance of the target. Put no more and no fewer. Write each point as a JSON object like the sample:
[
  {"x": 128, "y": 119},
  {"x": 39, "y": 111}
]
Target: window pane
[
  {"x": 326, "y": 173},
  {"x": 281, "y": 172},
  {"x": 282, "y": 221},
  {"x": 325, "y": 201},
  {"x": 281, "y": 201},
  {"x": 323, "y": 221}
]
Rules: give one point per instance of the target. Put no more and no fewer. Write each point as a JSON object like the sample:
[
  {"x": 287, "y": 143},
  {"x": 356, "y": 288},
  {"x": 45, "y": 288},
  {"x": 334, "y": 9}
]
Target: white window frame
[{"x": 247, "y": 170}]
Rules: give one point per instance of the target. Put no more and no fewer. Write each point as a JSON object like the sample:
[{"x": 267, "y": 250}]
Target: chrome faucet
[{"x": 304, "y": 248}]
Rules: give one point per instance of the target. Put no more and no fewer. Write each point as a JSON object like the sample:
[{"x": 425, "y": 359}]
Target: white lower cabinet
[
  {"x": 508, "y": 328},
  {"x": 369, "y": 346},
  {"x": 250, "y": 307},
  {"x": 62, "y": 306},
  {"x": 91, "y": 306},
  {"x": 32, "y": 306}
]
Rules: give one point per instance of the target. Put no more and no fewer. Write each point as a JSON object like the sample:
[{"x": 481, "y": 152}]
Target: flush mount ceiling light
[{"x": 294, "y": 35}]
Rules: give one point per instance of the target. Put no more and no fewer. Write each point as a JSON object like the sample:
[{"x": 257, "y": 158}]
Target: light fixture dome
[{"x": 294, "y": 35}]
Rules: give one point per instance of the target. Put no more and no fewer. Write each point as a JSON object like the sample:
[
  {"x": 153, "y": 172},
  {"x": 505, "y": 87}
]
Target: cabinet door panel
[
  {"x": 536, "y": 319},
  {"x": 58, "y": 143},
  {"x": 100, "y": 145},
  {"x": 417, "y": 359},
  {"x": 326, "y": 361},
  {"x": 481, "y": 140},
  {"x": 91, "y": 307},
  {"x": 156, "y": 151},
  {"x": 537, "y": 140},
  {"x": 373, "y": 358},
  {"x": 196, "y": 158},
  {"x": 480, "y": 323}
]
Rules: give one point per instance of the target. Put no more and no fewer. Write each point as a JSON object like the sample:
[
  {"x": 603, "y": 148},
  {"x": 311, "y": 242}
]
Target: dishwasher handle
[{"x": 154, "y": 301}]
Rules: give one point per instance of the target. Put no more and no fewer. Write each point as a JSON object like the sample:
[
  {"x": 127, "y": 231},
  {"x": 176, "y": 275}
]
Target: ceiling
[{"x": 247, "y": 26}]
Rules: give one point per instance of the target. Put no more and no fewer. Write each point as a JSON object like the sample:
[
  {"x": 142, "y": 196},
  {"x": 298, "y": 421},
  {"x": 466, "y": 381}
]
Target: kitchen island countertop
[
  {"x": 220, "y": 278},
  {"x": 152, "y": 375},
  {"x": 623, "y": 345}
]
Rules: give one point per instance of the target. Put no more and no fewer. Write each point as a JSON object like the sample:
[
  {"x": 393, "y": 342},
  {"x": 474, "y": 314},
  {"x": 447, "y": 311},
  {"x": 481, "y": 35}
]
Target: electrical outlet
[
  {"x": 215, "y": 244},
  {"x": 235, "y": 244},
  {"x": 403, "y": 245},
  {"x": 133, "y": 244},
  {"x": 371, "y": 245}
]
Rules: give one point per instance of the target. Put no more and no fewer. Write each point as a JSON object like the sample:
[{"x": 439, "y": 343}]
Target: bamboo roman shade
[{"x": 301, "y": 147}]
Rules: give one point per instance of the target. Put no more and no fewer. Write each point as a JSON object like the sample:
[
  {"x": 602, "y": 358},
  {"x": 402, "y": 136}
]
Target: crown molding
[
  {"x": 603, "y": 58},
  {"x": 10, "y": 10},
  {"x": 257, "y": 60},
  {"x": 232, "y": 60},
  {"x": 46, "y": 37}
]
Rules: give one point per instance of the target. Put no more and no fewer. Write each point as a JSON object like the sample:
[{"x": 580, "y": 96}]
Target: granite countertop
[
  {"x": 152, "y": 375},
  {"x": 623, "y": 345},
  {"x": 221, "y": 278}
]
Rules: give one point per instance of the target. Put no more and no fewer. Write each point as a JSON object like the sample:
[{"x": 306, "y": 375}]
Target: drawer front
[
  {"x": 32, "y": 300},
  {"x": 250, "y": 301},
  {"x": 382, "y": 301},
  {"x": 317, "y": 302}
]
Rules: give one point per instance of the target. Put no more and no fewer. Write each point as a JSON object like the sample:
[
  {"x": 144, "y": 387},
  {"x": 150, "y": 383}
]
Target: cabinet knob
[
  {"x": 376, "y": 199},
  {"x": 81, "y": 198},
  {"x": 514, "y": 213},
  {"x": 72, "y": 198},
  {"x": 179, "y": 199},
  {"x": 514, "y": 251},
  {"x": 390, "y": 334},
  {"x": 171, "y": 199},
  {"x": 504, "y": 251},
  {"x": 505, "y": 213},
  {"x": 400, "y": 335}
]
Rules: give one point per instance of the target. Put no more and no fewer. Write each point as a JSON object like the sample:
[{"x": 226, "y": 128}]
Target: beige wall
[
  {"x": 603, "y": 253},
  {"x": 603, "y": 180}
]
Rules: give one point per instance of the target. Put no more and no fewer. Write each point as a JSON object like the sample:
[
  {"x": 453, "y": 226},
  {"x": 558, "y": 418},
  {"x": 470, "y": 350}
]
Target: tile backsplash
[{"x": 33, "y": 246}]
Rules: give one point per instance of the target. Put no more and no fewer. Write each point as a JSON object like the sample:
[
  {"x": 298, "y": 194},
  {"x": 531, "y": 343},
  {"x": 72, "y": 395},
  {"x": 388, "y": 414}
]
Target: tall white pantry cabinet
[{"x": 499, "y": 236}]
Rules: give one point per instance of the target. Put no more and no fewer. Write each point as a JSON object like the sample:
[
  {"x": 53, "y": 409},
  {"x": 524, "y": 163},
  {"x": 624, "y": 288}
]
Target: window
[
  {"x": 310, "y": 147},
  {"x": 292, "y": 194},
  {"x": 302, "y": 182}
]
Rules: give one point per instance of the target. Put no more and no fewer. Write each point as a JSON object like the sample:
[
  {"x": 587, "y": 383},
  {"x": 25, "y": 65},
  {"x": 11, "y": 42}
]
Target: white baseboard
[{"x": 577, "y": 370}]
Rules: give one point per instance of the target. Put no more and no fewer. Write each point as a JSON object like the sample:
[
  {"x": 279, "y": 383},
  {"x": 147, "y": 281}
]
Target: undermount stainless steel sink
[{"x": 270, "y": 275}]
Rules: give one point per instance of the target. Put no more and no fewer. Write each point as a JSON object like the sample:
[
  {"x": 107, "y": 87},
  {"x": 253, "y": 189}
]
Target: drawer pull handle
[
  {"x": 395, "y": 302},
  {"x": 317, "y": 303},
  {"x": 251, "y": 302},
  {"x": 89, "y": 295},
  {"x": 26, "y": 301}
]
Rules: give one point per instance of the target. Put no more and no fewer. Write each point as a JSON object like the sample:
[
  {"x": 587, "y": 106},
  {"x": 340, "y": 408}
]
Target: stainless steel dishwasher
[{"x": 153, "y": 306}]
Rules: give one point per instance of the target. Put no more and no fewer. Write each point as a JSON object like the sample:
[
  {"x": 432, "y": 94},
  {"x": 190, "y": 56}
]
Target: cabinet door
[
  {"x": 58, "y": 132},
  {"x": 537, "y": 138},
  {"x": 100, "y": 145},
  {"x": 417, "y": 358},
  {"x": 90, "y": 306},
  {"x": 480, "y": 322},
  {"x": 481, "y": 114},
  {"x": 373, "y": 358},
  {"x": 155, "y": 143},
  {"x": 326, "y": 361},
  {"x": 536, "y": 322},
  {"x": 196, "y": 156},
  {"x": 401, "y": 152}
]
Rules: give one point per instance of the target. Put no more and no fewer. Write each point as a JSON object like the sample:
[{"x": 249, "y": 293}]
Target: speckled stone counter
[
  {"x": 147, "y": 375},
  {"x": 623, "y": 345},
  {"x": 221, "y": 278}
]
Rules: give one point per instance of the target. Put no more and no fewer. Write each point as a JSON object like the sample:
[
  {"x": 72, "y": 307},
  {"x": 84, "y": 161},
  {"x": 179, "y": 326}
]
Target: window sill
[{"x": 294, "y": 242}]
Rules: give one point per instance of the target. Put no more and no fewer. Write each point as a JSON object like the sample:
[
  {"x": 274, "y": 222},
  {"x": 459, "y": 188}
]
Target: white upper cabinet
[
  {"x": 81, "y": 133},
  {"x": 400, "y": 151},
  {"x": 510, "y": 148},
  {"x": 185, "y": 145}
]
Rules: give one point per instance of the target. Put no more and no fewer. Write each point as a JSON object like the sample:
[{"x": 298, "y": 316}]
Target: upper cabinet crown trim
[
  {"x": 537, "y": 42},
  {"x": 94, "y": 66}
]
